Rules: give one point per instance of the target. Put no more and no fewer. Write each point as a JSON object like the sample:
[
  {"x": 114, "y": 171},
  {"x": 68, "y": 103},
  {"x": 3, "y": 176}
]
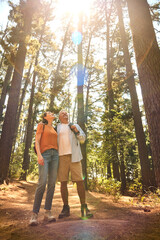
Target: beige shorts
[{"x": 66, "y": 166}]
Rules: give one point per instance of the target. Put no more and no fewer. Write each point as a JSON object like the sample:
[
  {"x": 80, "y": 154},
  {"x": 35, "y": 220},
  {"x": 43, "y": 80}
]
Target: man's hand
[
  {"x": 41, "y": 160},
  {"x": 73, "y": 127}
]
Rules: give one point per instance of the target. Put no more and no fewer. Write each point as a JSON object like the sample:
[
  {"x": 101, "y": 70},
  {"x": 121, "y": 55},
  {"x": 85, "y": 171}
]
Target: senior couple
[{"x": 58, "y": 151}]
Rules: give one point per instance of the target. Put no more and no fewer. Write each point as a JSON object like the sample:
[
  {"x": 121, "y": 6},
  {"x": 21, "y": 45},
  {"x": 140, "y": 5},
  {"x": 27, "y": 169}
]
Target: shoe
[
  {"x": 49, "y": 217},
  {"x": 85, "y": 213},
  {"x": 34, "y": 220},
  {"x": 65, "y": 212}
]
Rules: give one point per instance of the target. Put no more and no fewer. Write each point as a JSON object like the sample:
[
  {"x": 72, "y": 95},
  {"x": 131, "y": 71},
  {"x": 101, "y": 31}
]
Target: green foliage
[
  {"x": 137, "y": 189},
  {"x": 16, "y": 162},
  {"x": 106, "y": 186},
  {"x": 153, "y": 197},
  {"x": 33, "y": 167},
  {"x": 146, "y": 197},
  {"x": 105, "y": 127}
]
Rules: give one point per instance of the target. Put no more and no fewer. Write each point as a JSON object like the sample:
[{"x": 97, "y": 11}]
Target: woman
[{"x": 47, "y": 153}]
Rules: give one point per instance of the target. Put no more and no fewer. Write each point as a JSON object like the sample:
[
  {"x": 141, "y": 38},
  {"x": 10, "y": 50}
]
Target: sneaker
[
  {"x": 34, "y": 220},
  {"x": 85, "y": 212},
  {"x": 49, "y": 217},
  {"x": 65, "y": 212}
]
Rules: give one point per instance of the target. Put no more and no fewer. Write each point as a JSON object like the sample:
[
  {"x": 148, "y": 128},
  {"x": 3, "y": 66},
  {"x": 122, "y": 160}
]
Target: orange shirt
[{"x": 48, "y": 137}]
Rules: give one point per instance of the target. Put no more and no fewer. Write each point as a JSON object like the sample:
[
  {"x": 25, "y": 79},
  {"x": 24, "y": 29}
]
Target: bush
[
  {"x": 136, "y": 188},
  {"x": 106, "y": 186}
]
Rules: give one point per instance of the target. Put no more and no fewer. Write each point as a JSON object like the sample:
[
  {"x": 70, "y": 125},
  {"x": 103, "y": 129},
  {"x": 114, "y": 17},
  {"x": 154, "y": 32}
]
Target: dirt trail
[{"x": 124, "y": 220}]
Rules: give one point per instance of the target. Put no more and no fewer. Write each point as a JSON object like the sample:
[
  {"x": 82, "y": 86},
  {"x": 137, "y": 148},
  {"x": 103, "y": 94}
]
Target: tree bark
[
  {"x": 56, "y": 77},
  {"x": 8, "y": 129},
  {"x": 29, "y": 132},
  {"x": 122, "y": 169},
  {"x": 142, "y": 147},
  {"x": 19, "y": 112},
  {"x": 80, "y": 100},
  {"x": 89, "y": 80},
  {"x": 115, "y": 162},
  {"x": 5, "y": 88},
  {"x": 109, "y": 174},
  {"x": 148, "y": 64}
]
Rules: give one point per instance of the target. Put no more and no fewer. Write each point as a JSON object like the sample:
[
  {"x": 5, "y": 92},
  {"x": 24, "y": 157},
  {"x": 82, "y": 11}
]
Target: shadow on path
[{"x": 111, "y": 220}]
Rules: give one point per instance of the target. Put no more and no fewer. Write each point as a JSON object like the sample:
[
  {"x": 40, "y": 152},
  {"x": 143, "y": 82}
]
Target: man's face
[{"x": 63, "y": 117}]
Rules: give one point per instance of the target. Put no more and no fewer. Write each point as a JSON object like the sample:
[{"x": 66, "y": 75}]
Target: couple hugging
[{"x": 58, "y": 152}]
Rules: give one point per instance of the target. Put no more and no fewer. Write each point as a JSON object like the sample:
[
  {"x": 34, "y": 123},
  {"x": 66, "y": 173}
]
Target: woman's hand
[
  {"x": 39, "y": 155},
  {"x": 40, "y": 160}
]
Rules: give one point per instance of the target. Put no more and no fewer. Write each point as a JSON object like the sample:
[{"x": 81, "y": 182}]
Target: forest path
[{"x": 125, "y": 220}]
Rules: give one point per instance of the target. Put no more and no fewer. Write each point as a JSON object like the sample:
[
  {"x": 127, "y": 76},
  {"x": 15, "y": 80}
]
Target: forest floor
[{"x": 125, "y": 220}]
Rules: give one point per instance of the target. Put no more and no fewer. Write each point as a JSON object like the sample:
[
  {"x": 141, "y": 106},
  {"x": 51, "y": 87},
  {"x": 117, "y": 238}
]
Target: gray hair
[{"x": 63, "y": 110}]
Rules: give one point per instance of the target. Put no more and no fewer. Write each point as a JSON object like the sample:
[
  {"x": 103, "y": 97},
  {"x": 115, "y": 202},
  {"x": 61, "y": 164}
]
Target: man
[{"x": 69, "y": 138}]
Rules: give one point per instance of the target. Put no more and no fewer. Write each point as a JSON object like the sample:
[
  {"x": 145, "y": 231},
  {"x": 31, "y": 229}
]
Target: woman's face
[{"x": 49, "y": 116}]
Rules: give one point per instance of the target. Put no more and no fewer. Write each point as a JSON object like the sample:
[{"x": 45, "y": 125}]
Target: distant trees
[{"x": 36, "y": 66}]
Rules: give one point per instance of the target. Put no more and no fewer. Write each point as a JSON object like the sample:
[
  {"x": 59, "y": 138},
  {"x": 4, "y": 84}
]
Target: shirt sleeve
[
  {"x": 81, "y": 136},
  {"x": 40, "y": 128}
]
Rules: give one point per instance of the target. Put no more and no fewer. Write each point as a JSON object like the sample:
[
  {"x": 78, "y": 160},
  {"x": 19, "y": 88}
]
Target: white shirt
[
  {"x": 64, "y": 140},
  {"x": 74, "y": 141}
]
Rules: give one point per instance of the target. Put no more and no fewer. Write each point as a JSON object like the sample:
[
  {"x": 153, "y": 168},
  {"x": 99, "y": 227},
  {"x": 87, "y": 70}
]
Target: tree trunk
[
  {"x": 19, "y": 111},
  {"x": 115, "y": 162},
  {"x": 28, "y": 140},
  {"x": 148, "y": 63},
  {"x": 89, "y": 80},
  {"x": 109, "y": 174},
  {"x": 142, "y": 147},
  {"x": 122, "y": 169},
  {"x": 86, "y": 111},
  {"x": 2, "y": 59},
  {"x": 74, "y": 109},
  {"x": 55, "y": 78},
  {"x": 5, "y": 88},
  {"x": 29, "y": 134},
  {"x": 80, "y": 100},
  {"x": 8, "y": 129},
  {"x": 3, "y": 55}
]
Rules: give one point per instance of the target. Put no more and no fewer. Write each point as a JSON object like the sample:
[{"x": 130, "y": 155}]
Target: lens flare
[
  {"x": 76, "y": 37},
  {"x": 79, "y": 72}
]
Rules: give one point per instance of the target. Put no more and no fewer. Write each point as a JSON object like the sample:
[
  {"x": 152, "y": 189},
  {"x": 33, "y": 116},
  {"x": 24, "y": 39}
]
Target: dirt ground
[{"x": 125, "y": 220}]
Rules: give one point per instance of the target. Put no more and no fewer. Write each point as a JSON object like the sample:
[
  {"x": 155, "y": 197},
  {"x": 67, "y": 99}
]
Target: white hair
[{"x": 63, "y": 110}]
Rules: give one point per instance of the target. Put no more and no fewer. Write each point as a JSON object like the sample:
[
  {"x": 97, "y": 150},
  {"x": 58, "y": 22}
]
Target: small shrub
[
  {"x": 137, "y": 189},
  {"x": 106, "y": 186}
]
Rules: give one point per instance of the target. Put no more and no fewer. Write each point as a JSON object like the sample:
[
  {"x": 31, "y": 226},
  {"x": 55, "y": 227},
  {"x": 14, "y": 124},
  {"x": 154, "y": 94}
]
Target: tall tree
[
  {"x": 56, "y": 79},
  {"x": 29, "y": 130},
  {"x": 27, "y": 10},
  {"x": 142, "y": 147},
  {"x": 80, "y": 98},
  {"x": 148, "y": 64},
  {"x": 5, "y": 88},
  {"x": 115, "y": 161}
]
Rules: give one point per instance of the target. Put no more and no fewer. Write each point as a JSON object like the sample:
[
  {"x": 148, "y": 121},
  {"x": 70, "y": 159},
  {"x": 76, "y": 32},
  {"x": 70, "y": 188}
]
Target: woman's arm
[{"x": 37, "y": 144}]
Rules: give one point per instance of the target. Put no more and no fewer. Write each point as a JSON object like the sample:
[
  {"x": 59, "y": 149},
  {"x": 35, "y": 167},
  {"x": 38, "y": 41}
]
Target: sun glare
[{"x": 74, "y": 7}]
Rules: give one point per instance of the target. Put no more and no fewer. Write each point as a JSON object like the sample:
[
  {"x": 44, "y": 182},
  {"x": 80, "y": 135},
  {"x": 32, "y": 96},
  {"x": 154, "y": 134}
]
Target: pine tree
[
  {"x": 148, "y": 64},
  {"x": 8, "y": 130}
]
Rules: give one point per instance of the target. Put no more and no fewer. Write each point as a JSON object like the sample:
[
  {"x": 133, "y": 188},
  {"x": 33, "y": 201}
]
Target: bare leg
[
  {"x": 64, "y": 192},
  {"x": 81, "y": 191}
]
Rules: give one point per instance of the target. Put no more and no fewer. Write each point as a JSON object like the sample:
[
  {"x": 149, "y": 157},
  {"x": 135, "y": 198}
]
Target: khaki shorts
[{"x": 66, "y": 166}]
